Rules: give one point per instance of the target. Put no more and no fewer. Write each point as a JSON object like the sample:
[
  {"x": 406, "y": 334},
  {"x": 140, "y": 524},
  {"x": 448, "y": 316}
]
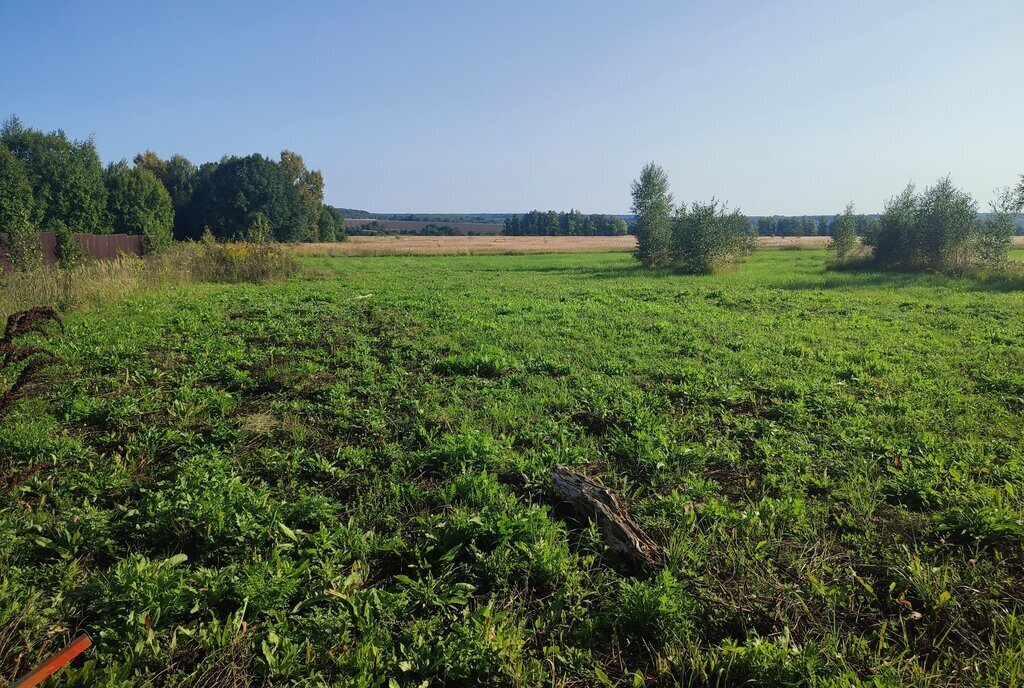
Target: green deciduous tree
[
  {"x": 844, "y": 233},
  {"x": 17, "y": 213},
  {"x": 947, "y": 224},
  {"x": 332, "y": 225},
  {"x": 138, "y": 203},
  {"x": 310, "y": 185},
  {"x": 66, "y": 177},
  {"x": 652, "y": 205},
  {"x": 896, "y": 244},
  {"x": 178, "y": 175},
  {"x": 1016, "y": 197}
]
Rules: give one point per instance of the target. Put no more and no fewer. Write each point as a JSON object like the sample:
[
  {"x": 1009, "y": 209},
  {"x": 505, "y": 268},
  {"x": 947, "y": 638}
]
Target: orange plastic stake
[{"x": 54, "y": 663}]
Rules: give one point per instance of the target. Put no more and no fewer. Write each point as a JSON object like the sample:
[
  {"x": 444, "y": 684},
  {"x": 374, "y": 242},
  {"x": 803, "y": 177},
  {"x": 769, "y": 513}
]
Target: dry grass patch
[{"x": 481, "y": 245}]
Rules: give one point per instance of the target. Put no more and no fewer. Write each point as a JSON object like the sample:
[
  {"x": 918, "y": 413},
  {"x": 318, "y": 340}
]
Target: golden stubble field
[{"x": 467, "y": 245}]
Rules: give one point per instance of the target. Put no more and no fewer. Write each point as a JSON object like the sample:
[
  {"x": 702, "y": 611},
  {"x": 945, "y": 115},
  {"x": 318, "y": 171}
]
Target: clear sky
[{"x": 787, "y": 107}]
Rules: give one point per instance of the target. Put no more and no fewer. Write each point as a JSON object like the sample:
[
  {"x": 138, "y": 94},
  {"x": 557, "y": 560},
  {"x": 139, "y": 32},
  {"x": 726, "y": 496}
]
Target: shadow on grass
[
  {"x": 612, "y": 272},
  {"x": 863, "y": 276},
  {"x": 862, "y": 280},
  {"x": 869, "y": 276}
]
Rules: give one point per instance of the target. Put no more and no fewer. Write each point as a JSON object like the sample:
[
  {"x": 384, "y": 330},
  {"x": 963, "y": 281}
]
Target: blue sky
[{"x": 778, "y": 107}]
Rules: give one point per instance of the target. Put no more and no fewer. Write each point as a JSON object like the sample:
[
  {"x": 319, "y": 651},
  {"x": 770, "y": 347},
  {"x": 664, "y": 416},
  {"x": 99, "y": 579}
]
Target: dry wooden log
[{"x": 621, "y": 533}]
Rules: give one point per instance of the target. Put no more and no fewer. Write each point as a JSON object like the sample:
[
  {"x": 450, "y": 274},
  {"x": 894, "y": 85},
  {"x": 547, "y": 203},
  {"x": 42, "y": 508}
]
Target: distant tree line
[
  {"x": 377, "y": 228},
  {"x": 806, "y": 225},
  {"x": 49, "y": 182},
  {"x": 572, "y": 223},
  {"x": 825, "y": 225},
  {"x": 440, "y": 218}
]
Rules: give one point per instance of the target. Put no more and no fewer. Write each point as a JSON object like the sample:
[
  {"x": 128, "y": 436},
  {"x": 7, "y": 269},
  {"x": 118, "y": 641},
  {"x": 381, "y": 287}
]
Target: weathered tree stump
[{"x": 621, "y": 533}]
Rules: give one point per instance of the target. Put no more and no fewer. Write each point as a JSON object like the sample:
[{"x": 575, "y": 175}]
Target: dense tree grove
[
  {"x": 572, "y": 223},
  {"x": 939, "y": 229},
  {"x": 225, "y": 197},
  {"x": 51, "y": 183},
  {"x": 66, "y": 178},
  {"x": 229, "y": 193},
  {"x": 178, "y": 175}
]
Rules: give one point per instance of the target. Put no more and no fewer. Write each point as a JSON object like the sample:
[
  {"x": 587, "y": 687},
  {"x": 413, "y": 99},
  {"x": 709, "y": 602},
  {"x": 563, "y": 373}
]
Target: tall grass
[{"x": 95, "y": 283}]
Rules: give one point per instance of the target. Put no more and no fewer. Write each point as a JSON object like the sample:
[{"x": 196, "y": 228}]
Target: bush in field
[
  {"x": 70, "y": 250},
  {"x": 938, "y": 230},
  {"x": 652, "y": 205},
  {"x": 995, "y": 234},
  {"x": 707, "y": 237},
  {"x": 17, "y": 209},
  {"x": 844, "y": 236},
  {"x": 246, "y": 261}
]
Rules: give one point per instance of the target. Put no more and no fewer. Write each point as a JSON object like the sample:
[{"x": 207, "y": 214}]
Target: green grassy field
[{"x": 345, "y": 479}]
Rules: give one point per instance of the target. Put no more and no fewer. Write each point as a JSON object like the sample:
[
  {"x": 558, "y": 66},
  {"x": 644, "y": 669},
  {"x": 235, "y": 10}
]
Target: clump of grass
[
  {"x": 81, "y": 287},
  {"x": 93, "y": 283},
  {"x": 260, "y": 263}
]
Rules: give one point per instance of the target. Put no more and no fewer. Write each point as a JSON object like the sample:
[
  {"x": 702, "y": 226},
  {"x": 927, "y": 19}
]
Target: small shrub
[
  {"x": 656, "y": 610},
  {"x": 708, "y": 237},
  {"x": 70, "y": 251},
  {"x": 259, "y": 231}
]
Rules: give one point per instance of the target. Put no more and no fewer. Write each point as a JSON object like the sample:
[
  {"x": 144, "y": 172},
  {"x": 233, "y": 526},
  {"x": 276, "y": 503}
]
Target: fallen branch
[{"x": 621, "y": 533}]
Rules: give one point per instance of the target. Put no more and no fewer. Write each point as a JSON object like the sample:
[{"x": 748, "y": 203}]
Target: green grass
[{"x": 344, "y": 480}]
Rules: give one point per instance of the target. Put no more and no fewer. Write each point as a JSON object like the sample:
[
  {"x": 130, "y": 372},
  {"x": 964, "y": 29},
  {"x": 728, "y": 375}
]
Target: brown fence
[{"x": 99, "y": 246}]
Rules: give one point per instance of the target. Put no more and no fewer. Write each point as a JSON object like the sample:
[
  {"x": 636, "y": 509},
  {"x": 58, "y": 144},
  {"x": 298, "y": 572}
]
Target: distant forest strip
[
  {"x": 540, "y": 223},
  {"x": 376, "y": 227},
  {"x": 572, "y": 223}
]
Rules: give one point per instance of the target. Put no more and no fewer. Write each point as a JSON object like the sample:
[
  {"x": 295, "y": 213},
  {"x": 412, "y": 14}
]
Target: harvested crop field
[
  {"x": 346, "y": 479},
  {"x": 511, "y": 245}
]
